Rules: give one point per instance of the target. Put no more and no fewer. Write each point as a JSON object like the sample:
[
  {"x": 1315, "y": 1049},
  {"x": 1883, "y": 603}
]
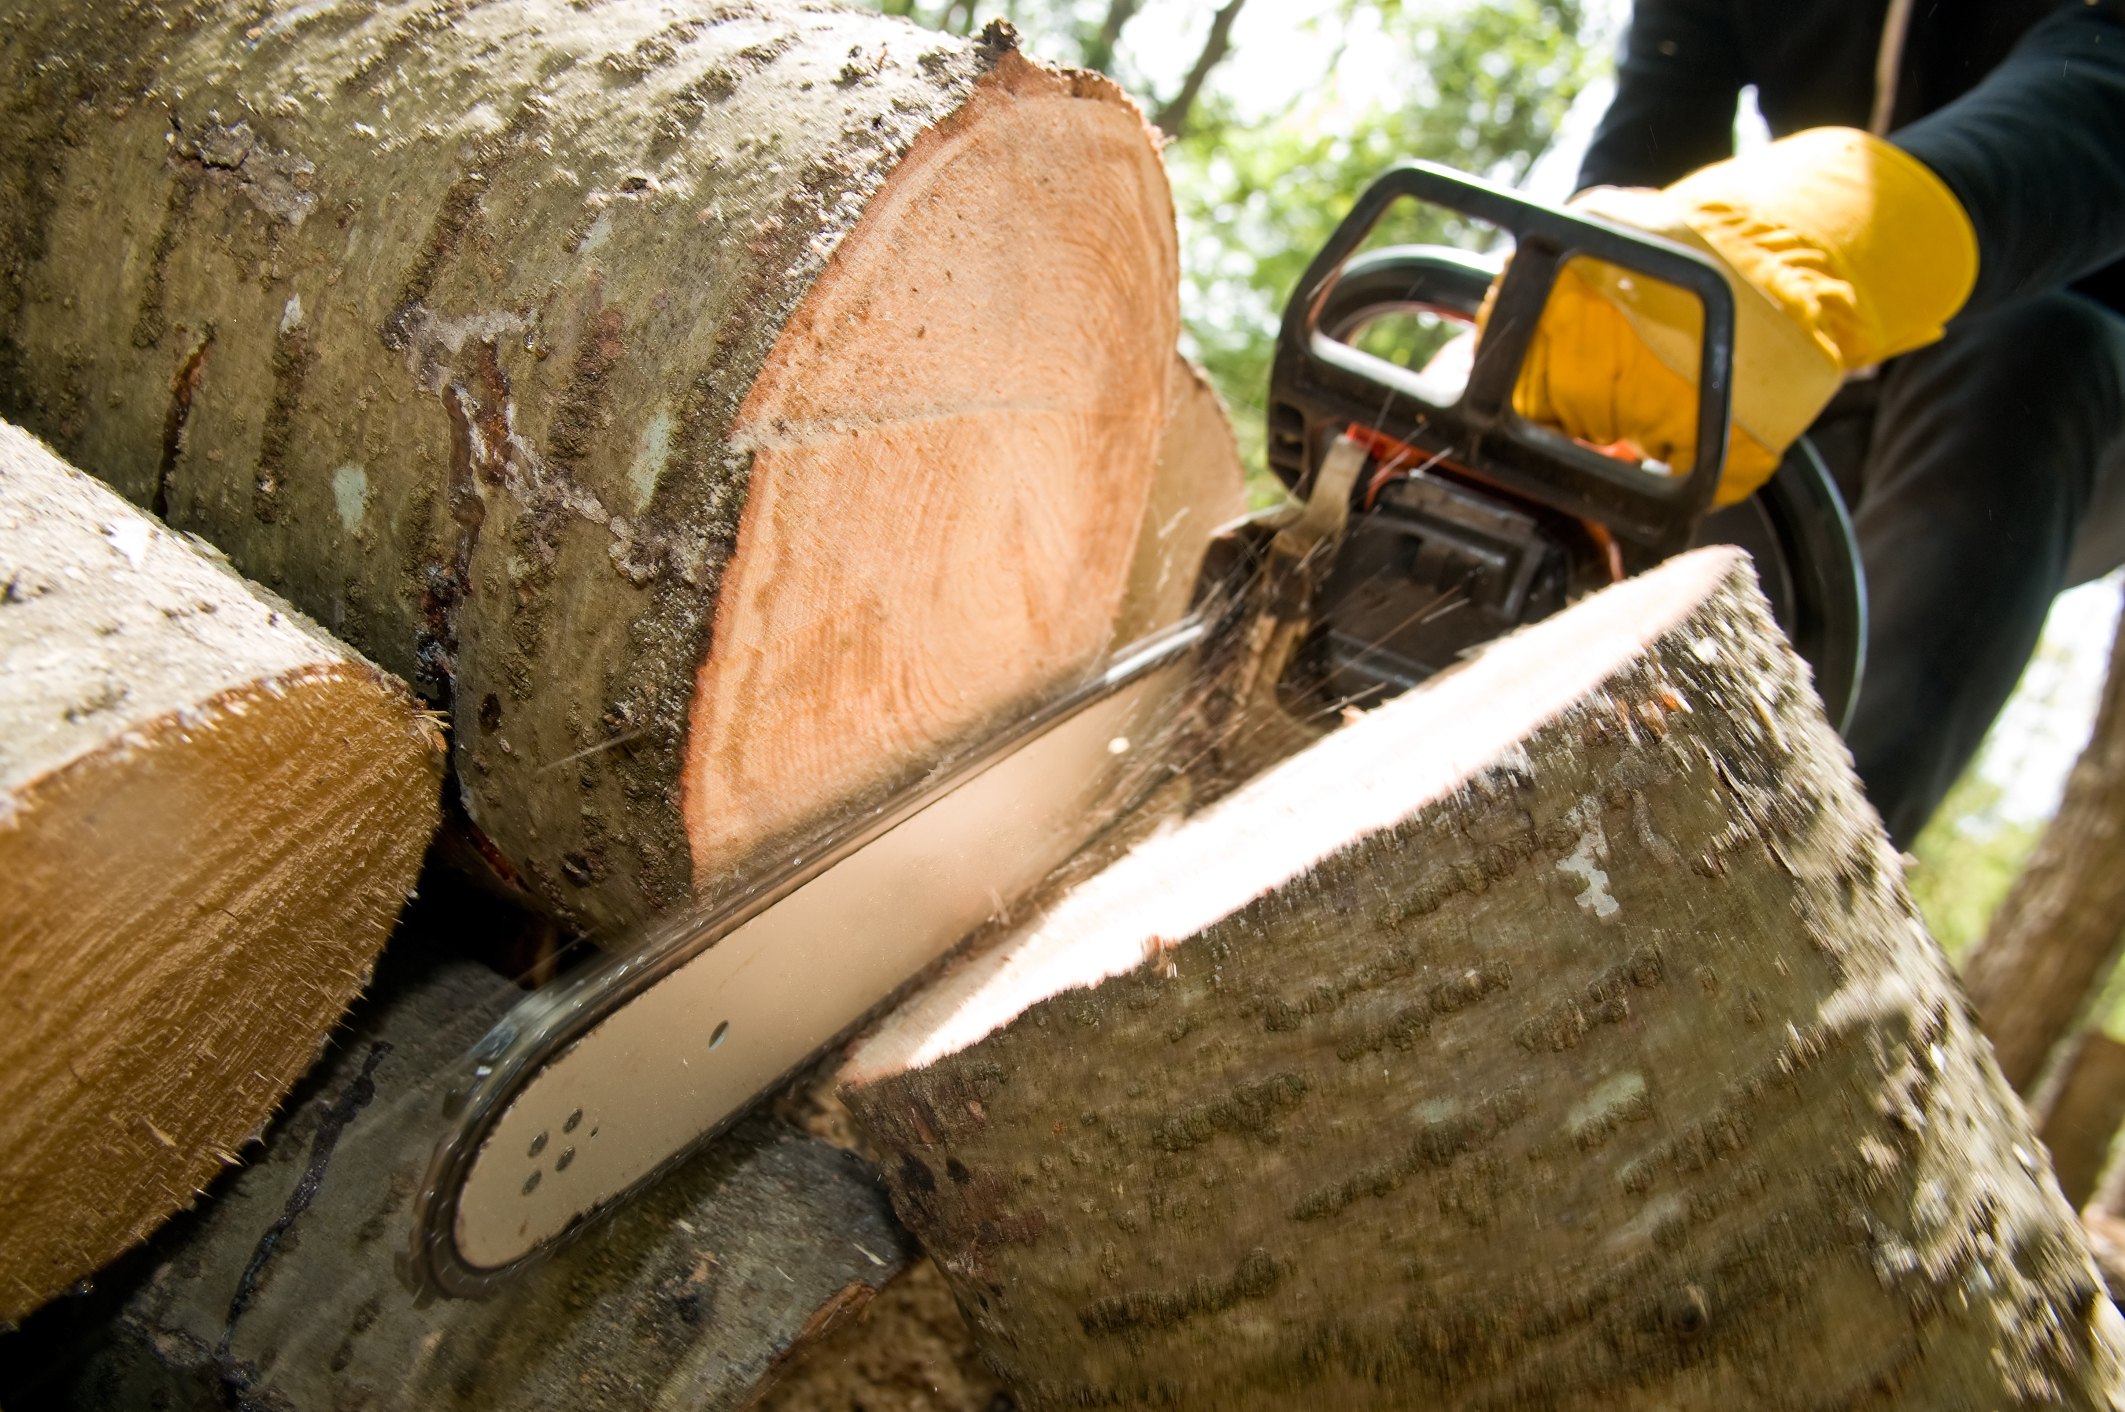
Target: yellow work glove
[{"x": 1842, "y": 251}]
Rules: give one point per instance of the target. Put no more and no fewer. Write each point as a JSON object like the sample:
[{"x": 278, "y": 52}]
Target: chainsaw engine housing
[{"x": 1475, "y": 521}]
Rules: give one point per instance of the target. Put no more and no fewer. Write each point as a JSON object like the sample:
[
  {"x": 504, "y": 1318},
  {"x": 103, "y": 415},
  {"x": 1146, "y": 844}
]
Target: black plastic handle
[{"x": 1320, "y": 384}]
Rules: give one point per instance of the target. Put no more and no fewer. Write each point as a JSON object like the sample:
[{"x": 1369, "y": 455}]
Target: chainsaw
[{"x": 1427, "y": 520}]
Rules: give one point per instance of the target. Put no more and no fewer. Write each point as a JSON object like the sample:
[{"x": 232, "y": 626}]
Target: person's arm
[
  {"x": 2036, "y": 155},
  {"x": 1678, "y": 79}
]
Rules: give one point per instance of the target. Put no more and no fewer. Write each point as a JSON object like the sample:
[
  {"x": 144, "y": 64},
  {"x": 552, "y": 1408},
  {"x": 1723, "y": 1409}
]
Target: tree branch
[
  {"x": 1099, "y": 51},
  {"x": 1172, "y": 119},
  {"x": 2055, "y": 937}
]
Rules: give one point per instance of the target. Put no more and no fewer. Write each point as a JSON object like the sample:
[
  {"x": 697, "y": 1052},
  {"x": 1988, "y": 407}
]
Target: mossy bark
[
  {"x": 439, "y": 319},
  {"x": 1598, "y": 1060}
]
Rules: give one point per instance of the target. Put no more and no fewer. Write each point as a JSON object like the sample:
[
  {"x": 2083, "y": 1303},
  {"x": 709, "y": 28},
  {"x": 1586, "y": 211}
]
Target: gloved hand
[{"x": 1842, "y": 251}]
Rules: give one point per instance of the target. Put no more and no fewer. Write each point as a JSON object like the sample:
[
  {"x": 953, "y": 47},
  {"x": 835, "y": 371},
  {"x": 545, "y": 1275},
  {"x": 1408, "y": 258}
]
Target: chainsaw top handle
[{"x": 1320, "y": 384}]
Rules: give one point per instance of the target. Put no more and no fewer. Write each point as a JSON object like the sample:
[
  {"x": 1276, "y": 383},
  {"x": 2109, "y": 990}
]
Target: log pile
[
  {"x": 1559, "y": 1034},
  {"x": 720, "y": 413},
  {"x": 725, "y": 411},
  {"x": 210, "y": 814}
]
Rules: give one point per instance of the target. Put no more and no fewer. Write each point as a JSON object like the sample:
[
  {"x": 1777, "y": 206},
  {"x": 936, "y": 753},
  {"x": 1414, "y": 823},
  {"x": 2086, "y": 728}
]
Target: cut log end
[
  {"x": 727, "y": 415},
  {"x": 203, "y": 856},
  {"x": 1559, "y": 1033},
  {"x": 952, "y": 446}
]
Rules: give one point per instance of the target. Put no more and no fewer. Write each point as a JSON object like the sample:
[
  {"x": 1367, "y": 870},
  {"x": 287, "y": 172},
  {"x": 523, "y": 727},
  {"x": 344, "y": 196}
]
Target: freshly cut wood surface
[
  {"x": 211, "y": 815},
  {"x": 952, "y": 447},
  {"x": 725, "y": 410},
  {"x": 1558, "y": 1034}
]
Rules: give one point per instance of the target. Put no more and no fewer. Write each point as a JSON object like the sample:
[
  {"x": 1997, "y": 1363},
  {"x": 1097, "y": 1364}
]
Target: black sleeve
[
  {"x": 2036, "y": 154},
  {"x": 1677, "y": 82}
]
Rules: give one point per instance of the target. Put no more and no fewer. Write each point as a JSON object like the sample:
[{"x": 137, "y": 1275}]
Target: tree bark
[
  {"x": 2055, "y": 936},
  {"x": 2106, "y": 1242},
  {"x": 210, "y": 813},
  {"x": 2104, "y": 1218},
  {"x": 694, "y": 1295},
  {"x": 2084, "y": 1111},
  {"x": 1557, "y": 1035},
  {"x": 725, "y": 415},
  {"x": 907, "y": 1351}
]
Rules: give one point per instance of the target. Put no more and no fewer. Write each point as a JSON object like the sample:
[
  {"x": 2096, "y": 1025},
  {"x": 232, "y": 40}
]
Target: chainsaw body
[{"x": 1471, "y": 521}]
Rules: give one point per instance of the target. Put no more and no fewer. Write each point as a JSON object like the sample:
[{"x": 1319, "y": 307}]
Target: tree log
[
  {"x": 1557, "y": 1035},
  {"x": 727, "y": 409},
  {"x": 209, "y": 816},
  {"x": 282, "y": 1294},
  {"x": 2082, "y": 1113},
  {"x": 2056, "y": 934},
  {"x": 2104, "y": 1219}
]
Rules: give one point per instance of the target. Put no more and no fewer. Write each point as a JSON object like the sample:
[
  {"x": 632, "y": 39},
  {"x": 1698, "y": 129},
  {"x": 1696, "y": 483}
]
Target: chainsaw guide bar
[{"x": 598, "y": 1082}]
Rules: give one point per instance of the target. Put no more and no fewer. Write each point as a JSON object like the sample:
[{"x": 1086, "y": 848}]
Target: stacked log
[
  {"x": 211, "y": 815},
  {"x": 284, "y": 1293},
  {"x": 726, "y": 410}
]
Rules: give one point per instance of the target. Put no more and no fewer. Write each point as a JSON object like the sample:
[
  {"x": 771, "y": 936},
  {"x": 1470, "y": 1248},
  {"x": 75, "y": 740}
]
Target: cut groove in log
[
  {"x": 211, "y": 815},
  {"x": 1201, "y": 486},
  {"x": 1559, "y": 1034},
  {"x": 726, "y": 413}
]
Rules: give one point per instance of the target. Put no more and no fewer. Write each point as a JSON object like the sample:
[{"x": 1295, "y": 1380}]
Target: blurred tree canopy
[{"x": 1279, "y": 116}]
